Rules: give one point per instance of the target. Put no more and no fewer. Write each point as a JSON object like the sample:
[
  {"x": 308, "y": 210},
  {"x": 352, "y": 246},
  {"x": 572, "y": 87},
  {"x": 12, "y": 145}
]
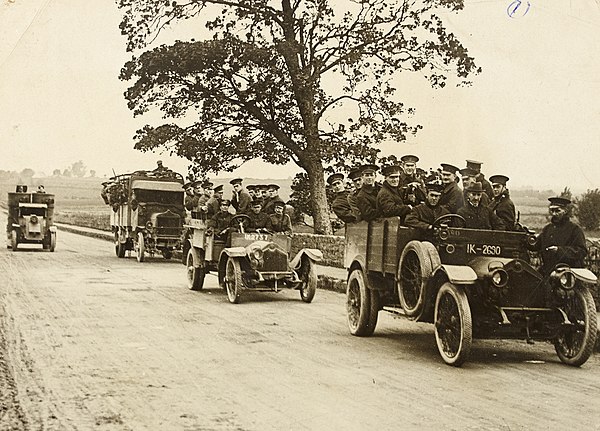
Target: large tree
[{"x": 310, "y": 81}]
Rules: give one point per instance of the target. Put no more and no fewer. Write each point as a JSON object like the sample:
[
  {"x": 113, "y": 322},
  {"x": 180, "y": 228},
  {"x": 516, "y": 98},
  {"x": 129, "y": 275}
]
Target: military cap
[
  {"x": 218, "y": 189},
  {"x": 273, "y": 187},
  {"x": 196, "y": 183},
  {"x": 468, "y": 172},
  {"x": 476, "y": 187},
  {"x": 421, "y": 171},
  {"x": 279, "y": 204},
  {"x": 475, "y": 165},
  {"x": 559, "y": 201},
  {"x": 257, "y": 202},
  {"x": 250, "y": 187},
  {"x": 335, "y": 178},
  {"x": 261, "y": 187},
  {"x": 409, "y": 158},
  {"x": 368, "y": 168},
  {"x": 390, "y": 169},
  {"x": 448, "y": 168},
  {"x": 498, "y": 179},
  {"x": 435, "y": 186},
  {"x": 236, "y": 181},
  {"x": 225, "y": 202},
  {"x": 354, "y": 174},
  {"x": 207, "y": 184}
]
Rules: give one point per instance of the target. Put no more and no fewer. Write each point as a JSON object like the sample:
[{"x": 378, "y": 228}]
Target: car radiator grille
[
  {"x": 274, "y": 260},
  {"x": 168, "y": 226}
]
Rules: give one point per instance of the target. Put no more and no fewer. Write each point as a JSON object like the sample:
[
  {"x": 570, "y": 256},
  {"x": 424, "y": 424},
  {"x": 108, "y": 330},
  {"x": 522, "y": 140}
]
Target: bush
[{"x": 587, "y": 209}]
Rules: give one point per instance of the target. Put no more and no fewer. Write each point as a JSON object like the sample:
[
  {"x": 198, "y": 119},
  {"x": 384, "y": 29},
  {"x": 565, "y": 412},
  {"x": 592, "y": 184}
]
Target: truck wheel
[
  {"x": 140, "y": 247},
  {"x": 119, "y": 246},
  {"x": 453, "y": 326},
  {"x": 575, "y": 343},
  {"x": 52, "y": 241},
  {"x": 308, "y": 286},
  {"x": 362, "y": 305},
  {"x": 195, "y": 274},
  {"x": 417, "y": 262},
  {"x": 234, "y": 282},
  {"x": 14, "y": 240}
]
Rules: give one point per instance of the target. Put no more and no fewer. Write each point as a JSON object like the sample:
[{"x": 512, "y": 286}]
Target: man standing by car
[
  {"x": 561, "y": 241},
  {"x": 476, "y": 215},
  {"x": 501, "y": 203}
]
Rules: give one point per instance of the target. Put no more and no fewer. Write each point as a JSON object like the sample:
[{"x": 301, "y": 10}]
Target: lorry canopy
[{"x": 157, "y": 185}]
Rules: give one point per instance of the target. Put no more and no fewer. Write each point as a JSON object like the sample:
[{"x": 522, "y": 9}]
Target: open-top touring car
[
  {"x": 248, "y": 261},
  {"x": 470, "y": 284}
]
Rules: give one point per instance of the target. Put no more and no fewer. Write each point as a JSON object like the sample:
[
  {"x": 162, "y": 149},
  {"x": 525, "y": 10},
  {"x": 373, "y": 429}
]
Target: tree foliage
[
  {"x": 587, "y": 209},
  {"x": 271, "y": 78}
]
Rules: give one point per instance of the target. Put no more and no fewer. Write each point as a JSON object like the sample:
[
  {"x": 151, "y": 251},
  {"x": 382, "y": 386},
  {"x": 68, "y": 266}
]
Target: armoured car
[
  {"x": 31, "y": 219},
  {"x": 471, "y": 284}
]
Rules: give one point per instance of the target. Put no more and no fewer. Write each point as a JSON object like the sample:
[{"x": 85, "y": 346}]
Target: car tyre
[
  {"x": 308, "y": 286},
  {"x": 234, "y": 282},
  {"x": 14, "y": 240},
  {"x": 195, "y": 273},
  {"x": 362, "y": 305},
  {"x": 417, "y": 262},
  {"x": 140, "y": 247},
  {"x": 453, "y": 324},
  {"x": 575, "y": 343},
  {"x": 52, "y": 241},
  {"x": 119, "y": 246}
]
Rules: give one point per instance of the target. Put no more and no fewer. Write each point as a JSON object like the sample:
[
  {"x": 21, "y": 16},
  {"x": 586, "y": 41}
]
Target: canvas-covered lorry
[
  {"x": 147, "y": 212},
  {"x": 30, "y": 219}
]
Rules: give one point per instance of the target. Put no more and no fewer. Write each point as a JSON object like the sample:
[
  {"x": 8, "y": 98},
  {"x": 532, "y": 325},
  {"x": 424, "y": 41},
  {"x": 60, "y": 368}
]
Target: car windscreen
[
  {"x": 159, "y": 197},
  {"x": 27, "y": 211}
]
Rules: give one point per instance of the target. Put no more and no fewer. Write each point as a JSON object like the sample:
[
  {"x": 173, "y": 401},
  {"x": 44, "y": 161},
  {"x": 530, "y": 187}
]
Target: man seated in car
[
  {"x": 221, "y": 221},
  {"x": 477, "y": 215},
  {"x": 423, "y": 215},
  {"x": 258, "y": 219},
  {"x": 279, "y": 221}
]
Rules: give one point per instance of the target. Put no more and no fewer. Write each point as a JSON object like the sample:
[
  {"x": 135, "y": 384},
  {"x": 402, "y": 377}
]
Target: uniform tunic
[
  {"x": 241, "y": 201},
  {"x": 269, "y": 206},
  {"x": 390, "y": 203},
  {"x": 366, "y": 200},
  {"x": 213, "y": 206},
  {"x": 279, "y": 223},
  {"x": 412, "y": 189},
  {"x": 342, "y": 208},
  {"x": 257, "y": 221},
  {"x": 480, "y": 217},
  {"x": 570, "y": 240},
  {"x": 452, "y": 197},
  {"x": 487, "y": 187},
  {"x": 423, "y": 215},
  {"x": 353, "y": 205},
  {"x": 220, "y": 222},
  {"x": 504, "y": 208}
]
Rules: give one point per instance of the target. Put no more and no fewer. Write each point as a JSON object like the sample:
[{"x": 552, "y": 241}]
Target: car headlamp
[
  {"x": 33, "y": 219},
  {"x": 257, "y": 253},
  {"x": 499, "y": 278},
  {"x": 567, "y": 281},
  {"x": 148, "y": 224}
]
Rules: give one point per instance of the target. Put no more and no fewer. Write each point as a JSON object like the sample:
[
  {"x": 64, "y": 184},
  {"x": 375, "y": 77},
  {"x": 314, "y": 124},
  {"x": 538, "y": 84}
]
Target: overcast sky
[{"x": 532, "y": 114}]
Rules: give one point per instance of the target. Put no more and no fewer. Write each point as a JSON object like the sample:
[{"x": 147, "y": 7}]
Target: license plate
[
  {"x": 256, "y": 236},
  {"x": 484, "y": 249}
]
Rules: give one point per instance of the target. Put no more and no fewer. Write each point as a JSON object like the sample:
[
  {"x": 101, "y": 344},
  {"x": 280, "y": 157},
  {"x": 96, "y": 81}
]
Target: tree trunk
[{"x": 320, "y": 207}]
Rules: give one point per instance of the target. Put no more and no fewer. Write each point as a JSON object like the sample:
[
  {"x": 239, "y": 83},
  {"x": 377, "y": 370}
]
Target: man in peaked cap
[
  {"x": 452, "y": 196},
  {"x": 409, "y": 168},
  {"x": 220, "y": 222},
  {"x": 240, "y": 197},
  {"x": 214, "y": 202},
  {"x": 279, "y": 221},
  {"x": 411, "y": 185},
  {"x": 561, "y": 240},
  {"x": 340, "y": 204},
  {"x": 476, "y": 166},
  {"x": 423, "y": 215},
  {"x": 366, "y": 199},
  {"x": 269, "y": 205},
  {"x": 258, "y": 219},
  {"x": 389, "y": 199},
  {"x": 356, "y": 179},
  {"x": 501, "y": 203},
  {"x": 476, "y": 215}
]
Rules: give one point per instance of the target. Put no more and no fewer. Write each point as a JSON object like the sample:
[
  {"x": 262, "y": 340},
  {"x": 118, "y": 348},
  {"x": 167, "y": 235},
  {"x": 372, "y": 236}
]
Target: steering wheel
[
  {"x": 449, "y": 217},
  {"x": 241, "y": 221}
]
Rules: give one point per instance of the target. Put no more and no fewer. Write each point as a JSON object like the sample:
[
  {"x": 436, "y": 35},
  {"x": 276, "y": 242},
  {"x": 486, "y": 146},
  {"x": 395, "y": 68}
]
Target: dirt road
[{"x": 90, "y": 341}]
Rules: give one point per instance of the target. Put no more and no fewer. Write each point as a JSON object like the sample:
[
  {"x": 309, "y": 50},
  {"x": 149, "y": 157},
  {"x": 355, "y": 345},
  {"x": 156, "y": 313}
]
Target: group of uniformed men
[
  {"x": 419, "y": 199},
  {"x": 261, "y": 203}
]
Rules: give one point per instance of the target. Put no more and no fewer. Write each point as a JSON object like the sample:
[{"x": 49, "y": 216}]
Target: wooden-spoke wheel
[
  {"x": 140, "y": 247},
  {"x": 234, "y": 282},
  {"x": 575, "y": 343},
  {"x": 308, "y": 286},
  {"x": 417, "y": 262},
  {"x": 362, "y": 305},
  {"x": 52, "y": 241},
  {"x": 14, "y": 240},
  {"x": 453, "y": 326},
  {"x": 195, "y": 272}
]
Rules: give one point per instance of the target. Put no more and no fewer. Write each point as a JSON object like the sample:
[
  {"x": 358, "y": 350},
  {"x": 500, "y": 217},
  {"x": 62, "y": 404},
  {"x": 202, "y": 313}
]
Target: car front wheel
[
  {"x": 308, "y": 286},
  {"x": 362, "y": 305},
  {"x": 453, "y": 325},
  {"x": 234, "y": 282}
]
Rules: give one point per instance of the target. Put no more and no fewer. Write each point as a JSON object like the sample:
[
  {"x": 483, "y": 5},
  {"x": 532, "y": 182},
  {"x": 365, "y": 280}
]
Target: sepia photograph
[{"x": 299, "y": 215}]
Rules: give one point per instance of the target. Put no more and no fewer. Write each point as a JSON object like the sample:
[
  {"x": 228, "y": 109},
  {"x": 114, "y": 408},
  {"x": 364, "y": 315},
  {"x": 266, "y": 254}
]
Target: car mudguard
[
  {"x": 234, "y": 251},
  {"x": 584, "y": 274},
  {"x": 457, "y": 274},
  {"x": 52, "y": 228},
  {"x": 313, "y": 254}
]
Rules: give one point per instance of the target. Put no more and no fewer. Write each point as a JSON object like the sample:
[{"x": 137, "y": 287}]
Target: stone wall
[{"x": 331, "y": 246}]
